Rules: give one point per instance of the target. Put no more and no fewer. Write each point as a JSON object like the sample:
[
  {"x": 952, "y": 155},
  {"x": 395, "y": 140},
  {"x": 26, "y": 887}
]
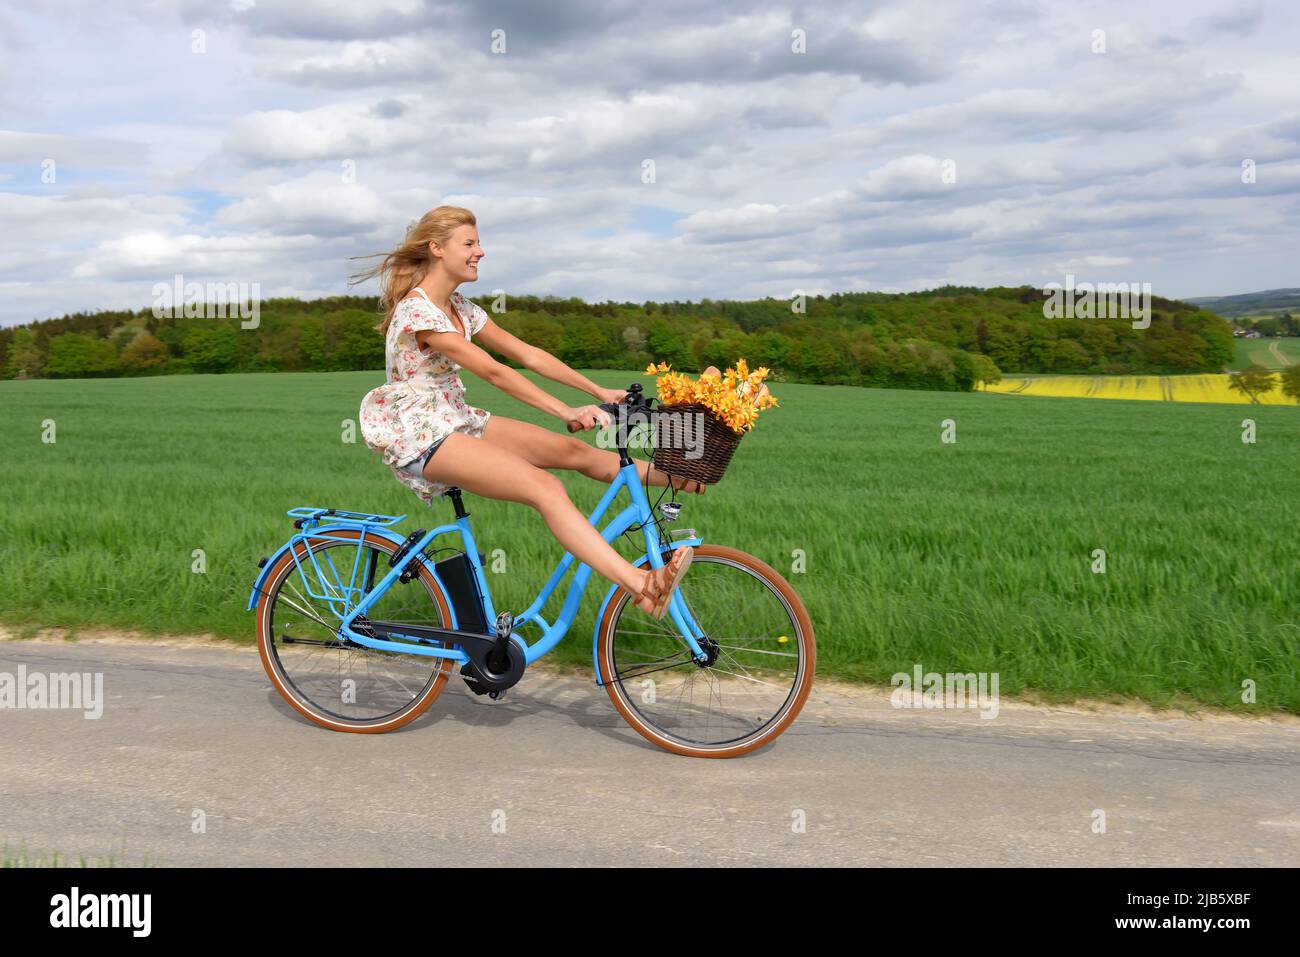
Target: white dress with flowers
[{"x": 424, "y": 399}]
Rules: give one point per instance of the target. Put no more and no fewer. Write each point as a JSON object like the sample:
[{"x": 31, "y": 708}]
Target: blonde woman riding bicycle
[{"x": 432, "y": 439}]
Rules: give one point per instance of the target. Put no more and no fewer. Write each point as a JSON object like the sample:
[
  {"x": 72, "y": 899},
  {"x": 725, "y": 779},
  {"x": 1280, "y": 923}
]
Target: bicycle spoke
[
  {"x": 306, "y": 612},
  {"x": 762, "y": 651},
  {"x": 734, "y": 674},
  {"x": 639, "y": 674}
]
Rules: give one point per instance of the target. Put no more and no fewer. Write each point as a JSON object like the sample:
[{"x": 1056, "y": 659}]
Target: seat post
[{"x": 453, "y": 493}]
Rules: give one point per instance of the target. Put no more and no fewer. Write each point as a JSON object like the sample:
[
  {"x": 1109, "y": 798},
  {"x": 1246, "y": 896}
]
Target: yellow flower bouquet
[{"x": 708, "y": 417}]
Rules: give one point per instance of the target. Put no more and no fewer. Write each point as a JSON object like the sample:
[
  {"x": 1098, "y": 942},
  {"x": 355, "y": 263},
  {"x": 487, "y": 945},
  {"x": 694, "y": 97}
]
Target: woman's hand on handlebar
[
  {"x": 613, "y": 396},
  {"x": 587, "y": 417}
]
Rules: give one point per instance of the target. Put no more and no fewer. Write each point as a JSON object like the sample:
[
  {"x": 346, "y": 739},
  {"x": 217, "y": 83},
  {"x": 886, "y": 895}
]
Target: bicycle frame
[{"x": 639, "y": 511}]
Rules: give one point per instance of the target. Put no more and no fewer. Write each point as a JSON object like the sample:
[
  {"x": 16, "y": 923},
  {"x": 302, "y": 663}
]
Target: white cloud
[
  {"x": 322, "y": 204},
  {"x": 331, "y": 132},
  {"x": 824, "y": 169},
  {"x": 155, "y": 255}
]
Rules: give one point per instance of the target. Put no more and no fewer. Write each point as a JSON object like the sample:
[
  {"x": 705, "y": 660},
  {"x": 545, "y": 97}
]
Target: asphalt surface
[{"x": 553, "y": 776}]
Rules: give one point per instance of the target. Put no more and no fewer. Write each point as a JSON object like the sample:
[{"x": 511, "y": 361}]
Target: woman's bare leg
[
  {"x": 551, "y": 450},
  {"x": 480, "y": 467},
  {"x": 661, "y": 478}
]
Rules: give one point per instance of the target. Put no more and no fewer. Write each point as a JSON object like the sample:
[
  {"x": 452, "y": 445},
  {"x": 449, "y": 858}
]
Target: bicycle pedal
[
  {"x": 505, "y": 623},
  {"x": 497, "y": 695}
]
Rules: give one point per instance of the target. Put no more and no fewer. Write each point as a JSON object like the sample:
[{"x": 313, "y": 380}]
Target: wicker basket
[{"x": 719, "y": 445}]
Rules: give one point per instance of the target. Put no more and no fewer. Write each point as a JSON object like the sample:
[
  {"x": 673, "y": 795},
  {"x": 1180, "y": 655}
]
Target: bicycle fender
[
  {"x": 270, "y": 562},
  {"x": 600, "y": 614}
]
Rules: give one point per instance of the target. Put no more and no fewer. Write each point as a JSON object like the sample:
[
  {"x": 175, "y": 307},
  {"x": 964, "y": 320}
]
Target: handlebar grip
[{"x": 611, "y": 407}]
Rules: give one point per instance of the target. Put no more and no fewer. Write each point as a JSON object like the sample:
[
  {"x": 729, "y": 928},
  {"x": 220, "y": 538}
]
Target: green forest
[{"x": 952, "y": 338}]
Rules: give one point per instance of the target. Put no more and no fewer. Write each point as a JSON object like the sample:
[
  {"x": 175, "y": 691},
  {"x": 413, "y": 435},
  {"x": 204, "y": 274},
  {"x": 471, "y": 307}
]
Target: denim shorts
[{"x": 416, "y": 466}]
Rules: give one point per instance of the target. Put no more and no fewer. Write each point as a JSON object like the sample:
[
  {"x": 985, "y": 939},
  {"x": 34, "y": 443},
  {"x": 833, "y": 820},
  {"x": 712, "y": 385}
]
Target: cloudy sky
[{"x": 909, "y": 144}]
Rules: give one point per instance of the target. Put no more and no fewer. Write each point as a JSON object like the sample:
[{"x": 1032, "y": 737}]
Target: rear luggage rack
[{"x": 313, "y": 516}]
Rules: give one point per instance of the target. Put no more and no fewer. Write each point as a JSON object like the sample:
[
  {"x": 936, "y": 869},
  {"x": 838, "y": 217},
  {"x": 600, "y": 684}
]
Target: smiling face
[{"x": 460, "y": 255}]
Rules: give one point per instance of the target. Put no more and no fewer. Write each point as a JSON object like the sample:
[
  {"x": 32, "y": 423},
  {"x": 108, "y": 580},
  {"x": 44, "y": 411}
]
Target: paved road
[{"x": 198, "y": 727}]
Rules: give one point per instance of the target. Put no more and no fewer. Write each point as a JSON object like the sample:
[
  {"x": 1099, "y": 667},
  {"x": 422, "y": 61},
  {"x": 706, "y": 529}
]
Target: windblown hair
[{"x": 405, "y": 267}]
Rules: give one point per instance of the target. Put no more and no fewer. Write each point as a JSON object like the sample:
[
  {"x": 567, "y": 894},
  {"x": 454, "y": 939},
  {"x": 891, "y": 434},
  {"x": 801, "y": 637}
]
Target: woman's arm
[
  {"x": 542, "y": 362},
  {"x": 469, "y": 356},
  {"x": 545, "y": 364}
]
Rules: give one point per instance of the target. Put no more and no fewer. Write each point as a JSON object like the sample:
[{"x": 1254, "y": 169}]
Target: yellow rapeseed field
[{"x": 1167, "y": 388}]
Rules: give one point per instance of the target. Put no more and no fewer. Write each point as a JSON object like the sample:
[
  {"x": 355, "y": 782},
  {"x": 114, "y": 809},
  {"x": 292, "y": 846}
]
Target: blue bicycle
[{"x": 360, "y": 629}]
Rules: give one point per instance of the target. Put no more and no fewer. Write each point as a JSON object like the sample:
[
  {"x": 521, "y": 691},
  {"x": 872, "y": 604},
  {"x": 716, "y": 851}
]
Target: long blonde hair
[{"x": 402, "y": 269}]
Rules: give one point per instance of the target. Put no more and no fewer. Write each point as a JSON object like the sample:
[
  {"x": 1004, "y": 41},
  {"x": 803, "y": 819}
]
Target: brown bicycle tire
[{"x": 603, "y": 649}]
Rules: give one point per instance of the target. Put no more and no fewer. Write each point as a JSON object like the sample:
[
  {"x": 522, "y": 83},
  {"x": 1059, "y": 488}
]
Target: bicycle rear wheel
[
  {"x": 763, "y": 657},
  {"x": 333, "y": 682}
]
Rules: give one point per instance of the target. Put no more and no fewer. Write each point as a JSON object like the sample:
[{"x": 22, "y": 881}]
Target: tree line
[{"x": 952, "y": 338}]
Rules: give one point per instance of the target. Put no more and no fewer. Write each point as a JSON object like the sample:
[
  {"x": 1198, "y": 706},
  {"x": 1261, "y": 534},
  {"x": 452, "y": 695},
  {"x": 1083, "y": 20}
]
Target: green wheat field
[{"x": 976, "y": 555}]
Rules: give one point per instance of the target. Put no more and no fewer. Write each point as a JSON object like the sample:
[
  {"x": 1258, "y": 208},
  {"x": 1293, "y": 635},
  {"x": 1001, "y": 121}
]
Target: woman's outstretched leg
[
  {"x": 489, "y": 470},
  {"x": 551, "y": 450}
]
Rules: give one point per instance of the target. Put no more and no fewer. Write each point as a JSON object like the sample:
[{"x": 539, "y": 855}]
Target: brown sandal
[
  {"x": 690, "y": 486},
  {"x": 679, "y": 484},
  {"x": 663, "y": 581}
]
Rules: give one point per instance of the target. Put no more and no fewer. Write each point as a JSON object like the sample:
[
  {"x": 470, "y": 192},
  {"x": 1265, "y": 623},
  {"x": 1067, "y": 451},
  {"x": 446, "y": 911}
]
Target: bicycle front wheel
[
  {"x": 762, "y": 649},
  {"x": 333, "y": 682}
]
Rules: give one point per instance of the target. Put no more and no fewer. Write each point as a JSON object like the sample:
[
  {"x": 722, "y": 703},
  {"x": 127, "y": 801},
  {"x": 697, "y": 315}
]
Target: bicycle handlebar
[
  {"x": 611, "y": 407},
  {"x": 633, "y": 403}
]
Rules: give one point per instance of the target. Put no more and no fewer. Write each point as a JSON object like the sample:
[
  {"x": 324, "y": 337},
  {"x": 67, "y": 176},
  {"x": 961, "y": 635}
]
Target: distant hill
[{"x": 1251, "y": 303}]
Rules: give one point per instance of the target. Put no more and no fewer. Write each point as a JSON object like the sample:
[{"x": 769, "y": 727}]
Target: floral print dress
[{"x": 423, "y": 400}]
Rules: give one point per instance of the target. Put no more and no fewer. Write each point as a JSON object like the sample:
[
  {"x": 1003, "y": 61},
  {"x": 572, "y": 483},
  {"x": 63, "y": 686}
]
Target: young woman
[{"x": 431, "y": 439}]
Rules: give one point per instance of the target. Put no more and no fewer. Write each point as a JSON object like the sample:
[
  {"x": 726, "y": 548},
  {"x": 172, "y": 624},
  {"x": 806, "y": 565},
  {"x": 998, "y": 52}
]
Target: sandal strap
[
  {"x": 648, "y": 591},
  {"x": 658, "y": 577}
]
